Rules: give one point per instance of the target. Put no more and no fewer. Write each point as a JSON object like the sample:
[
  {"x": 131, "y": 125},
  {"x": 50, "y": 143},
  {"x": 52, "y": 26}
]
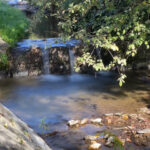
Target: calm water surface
[{"x": 56, "y": 99}]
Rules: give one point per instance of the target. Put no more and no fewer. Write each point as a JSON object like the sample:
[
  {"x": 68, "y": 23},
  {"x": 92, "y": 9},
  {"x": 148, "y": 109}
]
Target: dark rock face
[
  {"x": 34, "y": 61},
  {"x": 30, "y": 63},
  {"x": 26, "y": 63},
  {"x": 60, "y": 60}
]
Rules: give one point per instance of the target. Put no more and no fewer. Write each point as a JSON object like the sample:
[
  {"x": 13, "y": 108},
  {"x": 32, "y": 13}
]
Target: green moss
[{"x": 13, "y": 24}]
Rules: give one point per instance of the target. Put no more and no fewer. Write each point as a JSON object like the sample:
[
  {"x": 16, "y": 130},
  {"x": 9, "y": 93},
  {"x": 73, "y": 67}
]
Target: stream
[
  {"x": 52, "y": 100},
  {"x": 47, "y": 102}
]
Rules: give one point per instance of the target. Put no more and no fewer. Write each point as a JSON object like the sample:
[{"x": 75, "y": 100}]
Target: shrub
[{"x": 13, "y": 24}]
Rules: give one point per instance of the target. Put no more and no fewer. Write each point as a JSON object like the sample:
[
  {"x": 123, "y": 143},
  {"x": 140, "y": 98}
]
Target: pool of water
[{"x": 57, "y": 99}]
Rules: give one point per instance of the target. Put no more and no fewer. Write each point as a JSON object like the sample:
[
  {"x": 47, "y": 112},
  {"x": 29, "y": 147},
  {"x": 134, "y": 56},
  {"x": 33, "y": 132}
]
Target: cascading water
[
  {"x": 45, "y": 46},
  {"x": 46, "y": 64},
  {"x": 71, "y": 57}
]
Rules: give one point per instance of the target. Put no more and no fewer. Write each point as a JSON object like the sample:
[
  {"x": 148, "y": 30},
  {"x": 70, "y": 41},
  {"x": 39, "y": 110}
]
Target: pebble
[
  {"x": 95, "y": 146},
  {"x": 133, "y": 116},
  {"x": 72, "y": 123},
  {"x": 96, "y": 121},
  {"x": 110, "y": 114},
  {"x": 108, "y": 121},
  {"x": 84, "y": 121},
  {"x": 110, "y": 141},
  {"x": 125, "y": 117},
  {"x": 118, "y": 114},
  {"x": 90, "y": 138}
]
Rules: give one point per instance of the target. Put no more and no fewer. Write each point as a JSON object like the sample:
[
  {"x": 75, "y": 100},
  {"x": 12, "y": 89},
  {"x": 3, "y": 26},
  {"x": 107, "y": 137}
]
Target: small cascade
[
  {"x": 39, "y": 52},
  {"x": 46, "y": 64},
  {"x": 72, "y": 58}
]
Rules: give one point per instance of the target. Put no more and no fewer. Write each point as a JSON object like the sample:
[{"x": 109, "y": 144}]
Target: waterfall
[
  {"x": 71, "y": 57},
  {"x": 46, "y": 64}
]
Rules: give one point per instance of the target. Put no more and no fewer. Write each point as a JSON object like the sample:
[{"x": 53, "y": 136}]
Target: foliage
[
  {"x": 3, "y": 62},
  {"x": 13, "y": 24},
  {"x": 119, "y": 28}
]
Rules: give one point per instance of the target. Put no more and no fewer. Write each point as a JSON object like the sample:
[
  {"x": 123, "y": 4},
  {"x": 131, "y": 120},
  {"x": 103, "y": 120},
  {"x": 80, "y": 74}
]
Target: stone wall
[
  {"x": 26, "y": 63},
  {"x": 60, "y": 60}
]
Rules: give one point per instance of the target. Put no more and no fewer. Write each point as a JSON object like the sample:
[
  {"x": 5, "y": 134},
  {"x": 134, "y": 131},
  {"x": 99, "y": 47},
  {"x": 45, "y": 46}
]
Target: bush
[
  {"x": 13, "y": 24},
  {"x": 3, "y": 62}
]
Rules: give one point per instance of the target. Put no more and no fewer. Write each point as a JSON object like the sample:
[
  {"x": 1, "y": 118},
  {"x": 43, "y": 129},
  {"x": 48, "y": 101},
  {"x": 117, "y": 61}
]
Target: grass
[{"x": 13, "y": 24}]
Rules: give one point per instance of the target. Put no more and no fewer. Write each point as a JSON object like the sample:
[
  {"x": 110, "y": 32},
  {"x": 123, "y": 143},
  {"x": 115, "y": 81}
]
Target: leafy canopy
[{"x": 119, "y": 28}]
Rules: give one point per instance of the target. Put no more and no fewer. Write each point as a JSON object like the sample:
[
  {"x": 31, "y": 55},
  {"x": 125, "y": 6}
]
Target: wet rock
[
  {"x": 133, "y": 116},
  {"x": 110, "y": 114},
  {"x": 96, "y": 121},
  {"x": 145, "y": 110},
  {"x": 128, "y": 140},
  {"x": 118, "y": 114},
  {"x": 141, "y": 119},
  {"x": 110, "y": 141},
  {"x": 107, "y": 120},
  {"x": 106, "y": 136},
  {"x": 144, "y": 131},
  {"x": 95, "y": 146},
  {"x": 140, "y": 140},
  {"x": 90, "y": 138},
  {"x": 73, "y": 123},
  {"x": 125, "y": 117},
  {"x": 84, "y": 121}
]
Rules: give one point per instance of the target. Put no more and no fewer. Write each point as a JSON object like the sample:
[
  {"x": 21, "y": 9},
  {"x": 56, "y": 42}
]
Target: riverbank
[{"x": 15, "y": 134}]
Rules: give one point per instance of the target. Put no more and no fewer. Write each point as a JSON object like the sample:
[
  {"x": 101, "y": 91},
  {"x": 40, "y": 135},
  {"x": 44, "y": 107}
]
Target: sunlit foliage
[
  {"x": 119, "y": 27},
  {"x": 13, "y": 24}
]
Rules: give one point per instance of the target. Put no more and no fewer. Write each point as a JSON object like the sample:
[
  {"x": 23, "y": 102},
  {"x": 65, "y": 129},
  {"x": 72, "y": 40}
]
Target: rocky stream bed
[{"x": 118, "y": 131}]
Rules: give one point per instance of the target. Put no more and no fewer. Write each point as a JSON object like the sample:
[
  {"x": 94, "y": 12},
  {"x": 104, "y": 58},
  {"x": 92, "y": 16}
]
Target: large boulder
[{"x": 16, "y": 135}]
